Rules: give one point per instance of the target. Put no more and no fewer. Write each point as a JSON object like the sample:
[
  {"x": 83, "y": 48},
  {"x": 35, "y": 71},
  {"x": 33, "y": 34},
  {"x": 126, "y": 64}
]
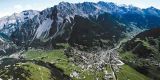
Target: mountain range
[{"x": 56, "y": 23}]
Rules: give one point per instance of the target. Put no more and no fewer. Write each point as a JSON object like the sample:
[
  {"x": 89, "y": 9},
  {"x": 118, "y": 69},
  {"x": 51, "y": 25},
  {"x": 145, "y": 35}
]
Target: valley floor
[{"x": 55, "y": 65}]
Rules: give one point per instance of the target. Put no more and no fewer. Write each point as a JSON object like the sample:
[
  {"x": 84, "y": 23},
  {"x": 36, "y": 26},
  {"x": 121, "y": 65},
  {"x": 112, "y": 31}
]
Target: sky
[{"x": 8, "y": 7}]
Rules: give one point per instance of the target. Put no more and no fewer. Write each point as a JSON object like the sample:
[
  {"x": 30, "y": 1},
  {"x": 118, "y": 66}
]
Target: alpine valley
[{"x": 81, "y": 41}]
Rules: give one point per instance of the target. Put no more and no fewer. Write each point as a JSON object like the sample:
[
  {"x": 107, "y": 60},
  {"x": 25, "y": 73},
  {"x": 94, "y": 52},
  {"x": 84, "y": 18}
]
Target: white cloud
[
  {"x": 15, "y": 9},
  {"x": 28, "y": 6},
  {"x": 4, "y": 14},
  {"x": 18, "y": 8}
]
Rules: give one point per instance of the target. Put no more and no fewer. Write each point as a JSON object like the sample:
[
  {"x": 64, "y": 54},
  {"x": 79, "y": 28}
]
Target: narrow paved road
[{"x": 113, "y": 56}]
